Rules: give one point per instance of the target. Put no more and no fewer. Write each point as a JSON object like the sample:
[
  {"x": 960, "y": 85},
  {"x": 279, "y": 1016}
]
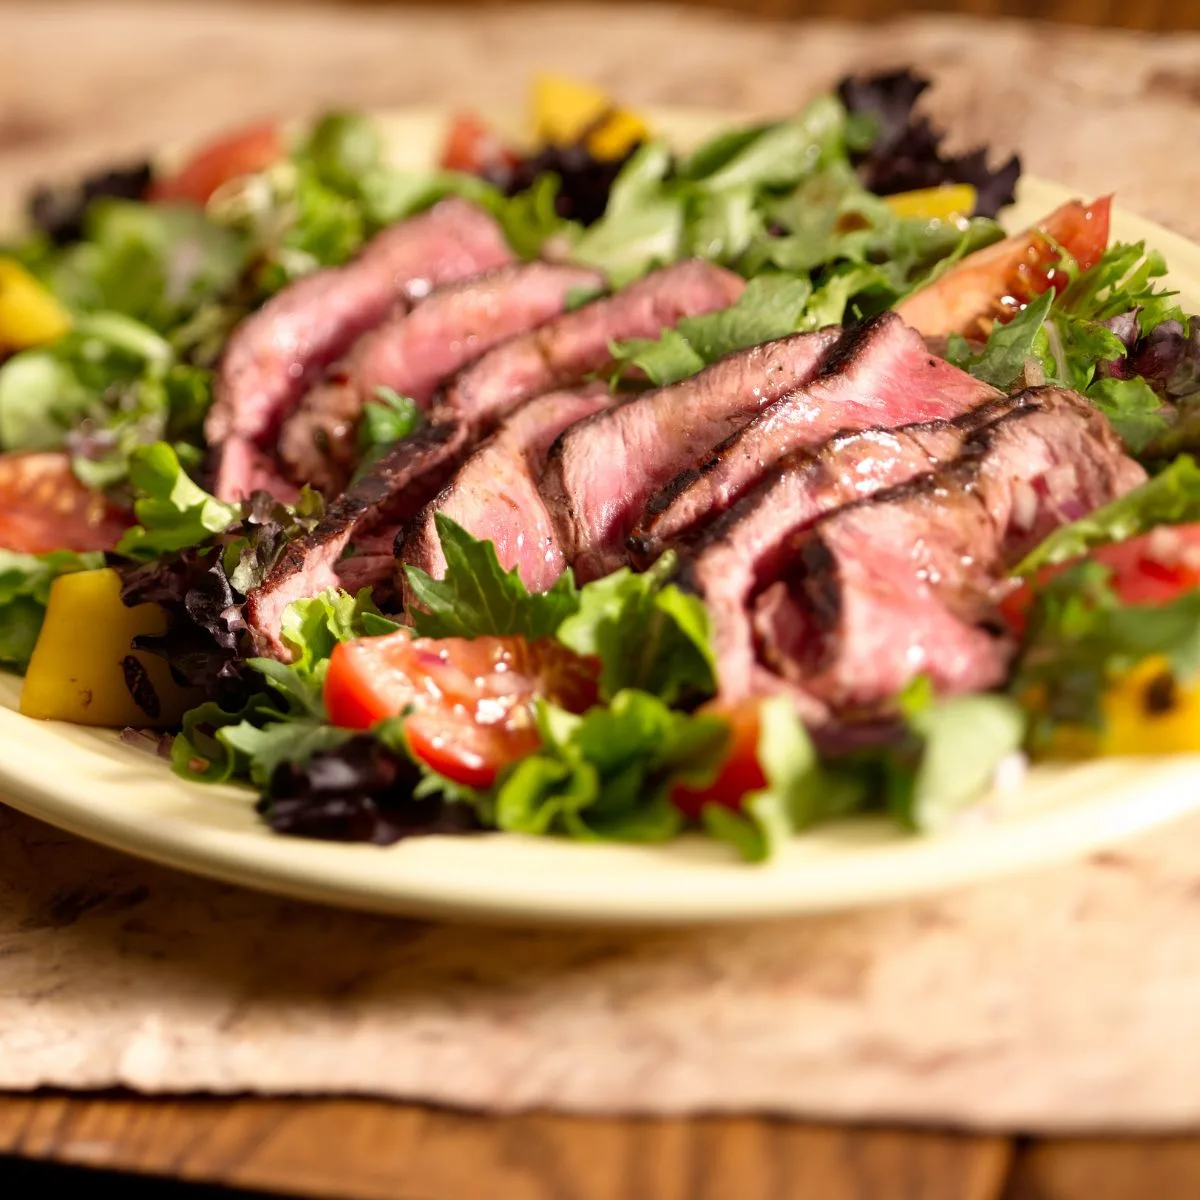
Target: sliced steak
[
  {"x": 414, "y": 353},
  {"x": 565, "y": 351},
  {"x": 275, "y": 354},
  {"x": 903, "y": 583},
  {"x": 495, "y": 493},
  {"x": 365, "y": 517},
  {"x": 879, "y": 375},
  {"x": 747, "y": 548},
  {"x": 601, "y": 472},
  {"x": 410, "y": 474}
]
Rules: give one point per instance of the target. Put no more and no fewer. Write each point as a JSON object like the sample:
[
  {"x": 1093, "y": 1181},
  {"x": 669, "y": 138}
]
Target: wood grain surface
[
  {"x": 1157, "y": 15},
  {"x": 366, "y": 1150}
]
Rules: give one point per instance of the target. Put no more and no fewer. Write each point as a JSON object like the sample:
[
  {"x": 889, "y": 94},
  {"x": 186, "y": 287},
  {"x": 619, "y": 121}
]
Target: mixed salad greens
[{"x": 603, "y": 722}]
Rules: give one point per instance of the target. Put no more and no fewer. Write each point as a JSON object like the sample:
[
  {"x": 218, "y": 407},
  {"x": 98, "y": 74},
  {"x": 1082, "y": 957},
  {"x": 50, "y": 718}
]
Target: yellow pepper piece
[
  {"x": 1147, "y": 712},
  {"x": 934, "y": 204},
  {"x": 29, "y": 314},
  {"x": 565, "y": 109},
  {"x": 82, "y": 658}
]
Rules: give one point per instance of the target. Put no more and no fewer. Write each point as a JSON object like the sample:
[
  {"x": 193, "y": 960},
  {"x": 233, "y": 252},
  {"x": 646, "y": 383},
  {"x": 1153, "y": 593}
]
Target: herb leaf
[
  {"x": 478, "y": 597},
  {"x": 648, "y": 634},
  {"x": 172, "y": 511}
]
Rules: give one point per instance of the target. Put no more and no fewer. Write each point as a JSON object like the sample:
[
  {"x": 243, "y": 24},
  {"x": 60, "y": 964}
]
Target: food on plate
[
  {"x": 585, "y": 486},
  {"x": 98, "y": 678}
]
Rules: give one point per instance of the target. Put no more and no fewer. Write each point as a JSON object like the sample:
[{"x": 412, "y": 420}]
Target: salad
[{"x": 581, "y": 487}]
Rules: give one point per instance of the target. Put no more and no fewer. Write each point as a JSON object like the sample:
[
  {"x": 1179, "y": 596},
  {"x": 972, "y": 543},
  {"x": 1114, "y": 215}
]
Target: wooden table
[{"x": 365, "y": 1150}]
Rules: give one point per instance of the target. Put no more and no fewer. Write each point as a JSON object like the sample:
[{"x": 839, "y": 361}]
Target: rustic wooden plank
[
  {"x": 1156, "y": 15},
  {"x": 369, "y": 1150},
  {"x": 1150, "y": 1168}
]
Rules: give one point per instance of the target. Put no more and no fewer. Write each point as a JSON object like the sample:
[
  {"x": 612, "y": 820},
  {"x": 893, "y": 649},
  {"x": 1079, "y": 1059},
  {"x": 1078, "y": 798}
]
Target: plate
[{"x": 93, "y": 784}]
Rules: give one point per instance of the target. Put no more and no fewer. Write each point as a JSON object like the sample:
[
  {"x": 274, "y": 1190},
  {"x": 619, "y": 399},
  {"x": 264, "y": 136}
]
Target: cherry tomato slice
[
  {"x": 997, "y": 282},
  {"x": 1152, "y": 569},
  {"x": 739, "y": 774},
  {"x": 44, "y": 507},
  {"x": 240, "y": 152},
  {"x": 471, "y": 700},
  {"x": 473, "y": 147}
]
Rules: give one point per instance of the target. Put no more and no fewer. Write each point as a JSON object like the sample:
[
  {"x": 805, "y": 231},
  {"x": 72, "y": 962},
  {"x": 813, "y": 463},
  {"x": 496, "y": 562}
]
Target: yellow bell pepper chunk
[
  {"x": 82, "y": 660},
  {"x": 1147, "y": 712},
  {"x": 29, "y": 314},
  {"x": 565, "y": 109},
  {"x": 934, "y": 204}
]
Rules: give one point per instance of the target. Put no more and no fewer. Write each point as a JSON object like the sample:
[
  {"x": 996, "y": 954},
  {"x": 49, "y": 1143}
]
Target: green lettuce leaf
[
  {"x": 800, "y": 791},
  {"x": 173, "y": 512},
  {"x": 25, "y": 581},
  {"x": 1172, "y": 497},
  {"x": 950, "y": 761},
  {"x": 478, "y": 597},
  {"x": 772, "y": 306},
  {"x": 312, "y": 628},
  {"x": 608, "y": 774},
  {"x": 1080, "y": 636},
  {"x": 648, "y": 635}
]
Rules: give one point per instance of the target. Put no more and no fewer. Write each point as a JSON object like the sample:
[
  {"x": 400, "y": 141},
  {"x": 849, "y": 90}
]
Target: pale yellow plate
[{"x": 90, "y": 783}]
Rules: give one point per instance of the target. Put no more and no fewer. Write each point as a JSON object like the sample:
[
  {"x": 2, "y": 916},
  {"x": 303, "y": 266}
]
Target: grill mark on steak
[
  {"x": 601, "y": 472},
  {"x": 880, "y": 375},
  {"x": 887, "y": 588},
  {"x": 748, "y": 547},
  {"x": 410, "y": 474},
  {"x": 396, "y": 487},
  {"x": 414, "y": 353},
  {"x": 495, "y": 493},
  {"x": 565, "y": 351},
  {"x": 275, "y": 354}
]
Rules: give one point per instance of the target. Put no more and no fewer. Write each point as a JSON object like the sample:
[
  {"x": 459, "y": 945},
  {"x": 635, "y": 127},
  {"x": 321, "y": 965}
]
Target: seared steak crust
[
  {"x": 395, "y": 488},
  {"x": 880, "y": 375},
  {"x": 414, "y": 353},
  {"x": 602, "y": 471},
  {"x": 495, "y": 493},
  {"x": 275, "y": 354},
  {"x": 902, "y": 584},
  {"x": 748, "y": 548}
]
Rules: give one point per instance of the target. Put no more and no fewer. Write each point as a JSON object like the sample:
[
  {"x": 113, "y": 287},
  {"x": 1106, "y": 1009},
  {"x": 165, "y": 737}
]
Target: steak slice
[
  {"x": 409, "y": 475},
  {"x": 879, "y": 375},
  {"x": 904, "y": 583},
  {"x": 275, "y": 354},
  {"x": 367, "y": 515},
  {"x": 602, "y": 471},
  {"x": 495, "y": 493},
  {"x": 747, "y": 548},
  {"x": 414, "y": 353},
  {"x": 565, "y": 351}
]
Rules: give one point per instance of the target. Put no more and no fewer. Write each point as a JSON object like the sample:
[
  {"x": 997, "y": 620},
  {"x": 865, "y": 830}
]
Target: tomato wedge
[
  {"x": 741, "y": 771},
  {"x": 1152, "y": 569},
  {"x": 474, "y": 147},
  {"x": 994, "y": 284},
  {"x": 471, "y": 700},
  {"x": 244, "y": 151},
  {"x": 44, "y": 507}
]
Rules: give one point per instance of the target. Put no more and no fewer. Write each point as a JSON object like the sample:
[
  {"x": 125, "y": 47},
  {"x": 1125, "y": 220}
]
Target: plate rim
[{"x": 1159, "y": 789}]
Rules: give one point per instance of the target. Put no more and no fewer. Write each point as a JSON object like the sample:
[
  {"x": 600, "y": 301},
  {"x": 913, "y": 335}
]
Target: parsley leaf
[{"x": 477, "y": 597}]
